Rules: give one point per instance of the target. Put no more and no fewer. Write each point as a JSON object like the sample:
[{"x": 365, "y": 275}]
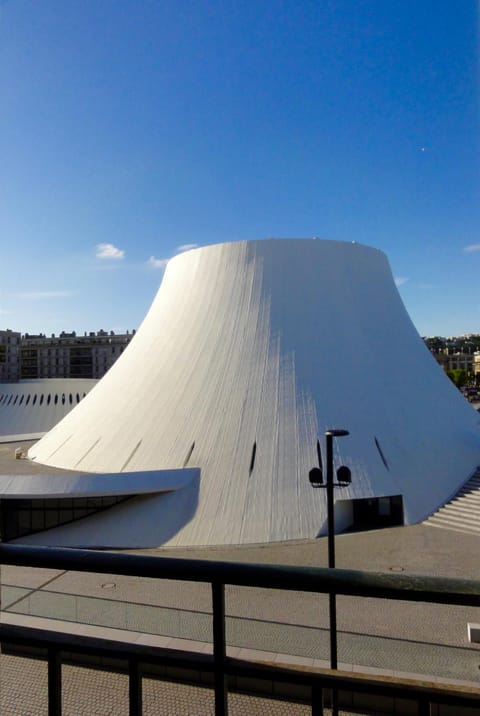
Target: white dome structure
[{"x": 249, "y": 353}]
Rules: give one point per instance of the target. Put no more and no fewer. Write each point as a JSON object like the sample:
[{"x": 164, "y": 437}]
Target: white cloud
[
  {"x": 40, "y": 295},
  {"x": 157, "y": 263},
  {"x": 186, "y": 247},
  {"x": 109, "y": 251},
  {"x": 472, "y": 247},
  {"x": 400, "y": 280},
  {"x": 161, "y": 263}
]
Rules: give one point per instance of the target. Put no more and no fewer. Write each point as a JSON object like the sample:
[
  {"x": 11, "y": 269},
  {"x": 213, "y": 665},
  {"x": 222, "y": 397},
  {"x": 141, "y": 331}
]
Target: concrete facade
[{"x": 70, "y": 355}]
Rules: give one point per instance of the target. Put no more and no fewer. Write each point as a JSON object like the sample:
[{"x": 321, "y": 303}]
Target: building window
[{"x": 23, "y": 517}]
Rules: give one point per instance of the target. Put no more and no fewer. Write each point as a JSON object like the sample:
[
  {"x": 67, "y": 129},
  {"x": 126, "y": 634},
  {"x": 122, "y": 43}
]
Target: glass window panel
[
  {"x": 65, "y": 516},
  {"x": 24, "y": 521},
  {"x": 38, "y": 520},
  {"x": 51, "y": 518}
]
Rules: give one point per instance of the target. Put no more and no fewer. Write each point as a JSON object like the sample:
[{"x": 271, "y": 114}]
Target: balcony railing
[{"x": 219, "y": 665}]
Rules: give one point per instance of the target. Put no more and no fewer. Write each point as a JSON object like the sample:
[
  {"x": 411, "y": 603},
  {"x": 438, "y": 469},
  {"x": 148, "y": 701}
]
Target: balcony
[{"x": 205, "y": 644}]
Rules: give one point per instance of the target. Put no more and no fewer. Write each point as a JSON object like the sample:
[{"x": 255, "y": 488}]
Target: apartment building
[
  {"x": 9, "y": 356},
  {"x": 70, "y": 355},
  {"x": 67, "y": 355}
]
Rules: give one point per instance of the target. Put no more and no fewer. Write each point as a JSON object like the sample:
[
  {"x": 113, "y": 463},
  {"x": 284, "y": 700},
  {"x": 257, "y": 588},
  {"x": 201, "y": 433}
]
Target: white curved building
[
  {"x": 30, "y": 408},
  {"x": 250, "y": 351}
]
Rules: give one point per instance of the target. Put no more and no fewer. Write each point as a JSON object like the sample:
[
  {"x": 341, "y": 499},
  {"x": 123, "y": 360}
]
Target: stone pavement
[
  {"x": 88, "y": 692},
  {"x": 98, "y": 692}
]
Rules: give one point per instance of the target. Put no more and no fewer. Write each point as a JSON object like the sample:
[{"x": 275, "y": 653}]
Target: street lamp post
[{"x": 316, "y": 480}]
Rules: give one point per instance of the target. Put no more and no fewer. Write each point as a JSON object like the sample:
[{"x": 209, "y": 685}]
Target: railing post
[
  {"x": 219, "y": 649},
  {"x": 317, "y": 700},
  {"x": 134, "y": 688},
  {"x": 54, "y": 682},
  {"x": 424, "y": 707}
]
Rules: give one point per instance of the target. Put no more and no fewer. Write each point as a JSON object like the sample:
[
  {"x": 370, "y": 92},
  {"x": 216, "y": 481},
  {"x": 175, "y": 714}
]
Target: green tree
[{"x": 459, "y": 376}]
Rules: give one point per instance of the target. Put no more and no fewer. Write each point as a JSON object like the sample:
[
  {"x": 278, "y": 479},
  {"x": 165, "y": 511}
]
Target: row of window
[
  {"x": 23, "y": 517},
  {"x": 63, "y": 398}
]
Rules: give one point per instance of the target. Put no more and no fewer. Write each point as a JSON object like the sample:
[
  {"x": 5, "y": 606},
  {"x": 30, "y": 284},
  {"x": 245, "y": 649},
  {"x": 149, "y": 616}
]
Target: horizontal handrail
[{"x": 417, "y": 588}]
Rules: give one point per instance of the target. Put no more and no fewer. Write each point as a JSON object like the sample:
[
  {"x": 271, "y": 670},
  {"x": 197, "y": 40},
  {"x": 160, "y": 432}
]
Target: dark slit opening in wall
[
  {"x": 252, "y": 460},
  {"x": 380, "y": 452},
  {"x": 189, "y": 455}
]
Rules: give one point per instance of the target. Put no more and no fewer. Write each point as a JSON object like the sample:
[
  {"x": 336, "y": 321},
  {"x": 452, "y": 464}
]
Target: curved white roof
[
  {"x": 250, "y": 351},
  {"x": 73, "y": 485}
]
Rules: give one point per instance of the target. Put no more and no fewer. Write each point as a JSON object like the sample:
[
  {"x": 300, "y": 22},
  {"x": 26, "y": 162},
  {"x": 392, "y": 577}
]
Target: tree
[{"x": 459, "y": 376}]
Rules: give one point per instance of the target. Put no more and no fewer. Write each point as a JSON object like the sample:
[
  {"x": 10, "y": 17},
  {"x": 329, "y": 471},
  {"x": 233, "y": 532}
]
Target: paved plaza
[{"x": 393, "y": 637}]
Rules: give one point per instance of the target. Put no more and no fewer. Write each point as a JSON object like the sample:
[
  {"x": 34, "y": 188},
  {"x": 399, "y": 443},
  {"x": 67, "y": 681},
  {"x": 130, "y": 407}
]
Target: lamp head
[
  {"x": 337, "y": 432},
  {"x": 344, "y": 475},
  {"x": 316, "y": 477}
]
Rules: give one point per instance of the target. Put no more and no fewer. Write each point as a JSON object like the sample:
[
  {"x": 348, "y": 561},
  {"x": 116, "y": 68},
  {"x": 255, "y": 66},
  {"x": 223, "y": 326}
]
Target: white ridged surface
[{"x": 268, "y": 342}]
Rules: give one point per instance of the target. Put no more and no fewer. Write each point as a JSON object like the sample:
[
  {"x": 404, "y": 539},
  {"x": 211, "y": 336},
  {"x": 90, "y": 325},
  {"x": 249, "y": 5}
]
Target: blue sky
[{"x": 129, "y": 129}]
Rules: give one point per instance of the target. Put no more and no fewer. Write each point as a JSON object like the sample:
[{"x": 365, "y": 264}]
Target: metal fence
[{"x": 223, "y": 668}]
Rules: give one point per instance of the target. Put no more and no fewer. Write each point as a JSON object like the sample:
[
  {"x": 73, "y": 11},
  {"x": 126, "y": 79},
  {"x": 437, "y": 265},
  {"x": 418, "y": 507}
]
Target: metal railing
[{"x": 319, "y": 580}]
